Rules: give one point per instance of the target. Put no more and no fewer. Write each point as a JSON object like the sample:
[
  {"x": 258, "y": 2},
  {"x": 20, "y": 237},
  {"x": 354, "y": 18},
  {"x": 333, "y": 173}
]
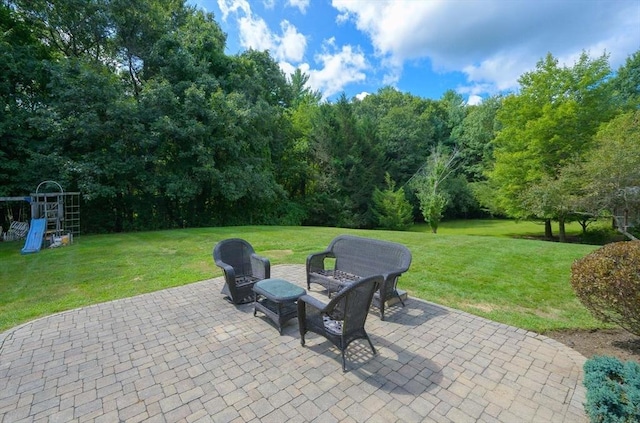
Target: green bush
[
  {"x": 601, "y": 235},
  {"x": 613, "y": 390},
  {"x": 607, "y": 282}
]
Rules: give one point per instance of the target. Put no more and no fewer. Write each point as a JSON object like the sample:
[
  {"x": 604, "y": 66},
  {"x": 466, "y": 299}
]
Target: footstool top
[{"x": 278, "y": 290}]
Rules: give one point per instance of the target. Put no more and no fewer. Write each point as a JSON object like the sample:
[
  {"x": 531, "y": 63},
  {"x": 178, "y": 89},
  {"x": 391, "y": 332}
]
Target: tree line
[{"x": 135, "y": 104}]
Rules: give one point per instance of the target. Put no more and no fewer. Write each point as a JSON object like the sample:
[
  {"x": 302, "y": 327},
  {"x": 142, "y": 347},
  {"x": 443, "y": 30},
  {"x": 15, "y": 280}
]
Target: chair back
[
  {"x": 236, "y": 253},
  {"x": 367, "y": 256},
  {"x": 351, "y": 304}
]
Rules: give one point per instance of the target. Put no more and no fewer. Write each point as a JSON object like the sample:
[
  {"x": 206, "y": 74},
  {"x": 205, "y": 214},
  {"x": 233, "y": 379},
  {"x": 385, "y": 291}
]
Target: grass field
[{"x": 476, "y": 266}]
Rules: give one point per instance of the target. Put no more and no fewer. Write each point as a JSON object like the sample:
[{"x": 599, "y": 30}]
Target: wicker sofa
[{"x": 350, "y": 258}]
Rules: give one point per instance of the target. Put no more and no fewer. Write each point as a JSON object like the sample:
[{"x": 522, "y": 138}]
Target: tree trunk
[
  {"x": 548, "y": 233},
  {"x": 119, "y": 212},
  {"x": 561, "y": 231},
  {"x": 584, "y": 223}
]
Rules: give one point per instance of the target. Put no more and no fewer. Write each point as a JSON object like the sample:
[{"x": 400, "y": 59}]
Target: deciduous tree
[
  {"x": 626, "y": 84},
  {"x": 547, "y": 125},
  {"x": 612, "y": 168},
  {"x": 429, "y": 186}
]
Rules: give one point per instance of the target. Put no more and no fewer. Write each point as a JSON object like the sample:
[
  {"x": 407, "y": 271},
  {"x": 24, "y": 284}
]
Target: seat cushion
[{"x": 332, "y": 326}]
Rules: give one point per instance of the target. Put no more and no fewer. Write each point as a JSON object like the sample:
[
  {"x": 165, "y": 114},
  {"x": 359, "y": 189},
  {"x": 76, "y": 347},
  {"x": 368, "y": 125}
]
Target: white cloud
[
  {"x": 362, "y": 95},
  {"x": 233, "y": 6},
  {"x": 300, "y": 4},
  {"x": 509, "y": 70},
  {"x": 334, "y": 67},
  {"x": 291, "y": 45},
  {"x": 342, "y": 18},
  {"x": 493, "y": 42},
  {"x": 474, "y": 100},
  {"x": 338, "y": 69},
  {"x": 393, "y": 72},
  {"x": 255, "y": 34},
  {"x": 287, "y": 68}
]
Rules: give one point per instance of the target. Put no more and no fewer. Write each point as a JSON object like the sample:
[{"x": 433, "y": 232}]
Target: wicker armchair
[
  {"x": 342, "y": 320},
  {"x": 242, "y": 269}
]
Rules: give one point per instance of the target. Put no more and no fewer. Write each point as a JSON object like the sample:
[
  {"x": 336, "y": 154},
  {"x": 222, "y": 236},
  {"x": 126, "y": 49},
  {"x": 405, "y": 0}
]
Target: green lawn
[{"x": 470, "y": 265}]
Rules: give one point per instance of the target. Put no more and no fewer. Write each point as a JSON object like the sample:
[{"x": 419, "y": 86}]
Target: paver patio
[{"x": 186, "y": 354}]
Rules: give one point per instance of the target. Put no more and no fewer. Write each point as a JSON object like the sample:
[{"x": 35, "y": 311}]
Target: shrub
[
  {"x": 613, "y": 390},
  {"x": 607, "y": 282},
  {"x": 601, "y": 235},
  {"x": 391, "y": 208}
]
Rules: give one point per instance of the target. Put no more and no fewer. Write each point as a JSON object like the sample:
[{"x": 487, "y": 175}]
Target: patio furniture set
[{"x": 352, "y": 270}]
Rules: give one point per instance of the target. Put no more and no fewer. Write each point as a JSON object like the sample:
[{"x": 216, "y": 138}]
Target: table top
[{"x": 279, "y": 290}]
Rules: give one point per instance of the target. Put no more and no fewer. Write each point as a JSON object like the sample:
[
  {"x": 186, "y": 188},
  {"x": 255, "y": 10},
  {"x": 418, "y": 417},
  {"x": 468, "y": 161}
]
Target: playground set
[{"x": 55, "y": 217}]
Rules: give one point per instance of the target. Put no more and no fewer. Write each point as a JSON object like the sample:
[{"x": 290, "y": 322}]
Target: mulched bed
[{"x": 612, "y": 342}]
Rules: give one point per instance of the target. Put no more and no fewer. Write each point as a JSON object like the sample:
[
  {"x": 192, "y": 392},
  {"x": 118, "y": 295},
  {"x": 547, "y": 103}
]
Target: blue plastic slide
[{"x": 34, "y": 237}]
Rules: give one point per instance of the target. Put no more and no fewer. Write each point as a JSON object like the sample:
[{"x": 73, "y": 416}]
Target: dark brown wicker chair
[
  {"x": 341, "y": 320},
  {"x": 242, "y": 269}
]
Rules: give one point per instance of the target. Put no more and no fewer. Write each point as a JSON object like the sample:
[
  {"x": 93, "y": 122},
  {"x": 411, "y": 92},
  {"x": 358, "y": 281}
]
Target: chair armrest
[
  {"x": 391, "y": 277},
  {"x": 315, "y": 261},
  {"x": 229, "y": 271},
  {"x": 312, "y": 302},
  {"x": 389, "y": 286},
  {"x": 260, "y": 266},
  {"x": 312, "y": 313}
]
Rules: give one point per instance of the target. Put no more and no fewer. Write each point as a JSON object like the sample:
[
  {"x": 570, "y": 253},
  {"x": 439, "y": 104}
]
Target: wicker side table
[{"x": 276, "y": 298}]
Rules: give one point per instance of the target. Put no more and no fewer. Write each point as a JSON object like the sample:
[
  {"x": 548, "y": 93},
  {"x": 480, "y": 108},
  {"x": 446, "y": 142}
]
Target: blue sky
[{"x": 425, "y": 47}]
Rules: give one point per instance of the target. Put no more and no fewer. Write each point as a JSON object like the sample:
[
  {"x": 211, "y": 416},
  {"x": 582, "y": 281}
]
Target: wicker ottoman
[{"x": 276, "y": 298}]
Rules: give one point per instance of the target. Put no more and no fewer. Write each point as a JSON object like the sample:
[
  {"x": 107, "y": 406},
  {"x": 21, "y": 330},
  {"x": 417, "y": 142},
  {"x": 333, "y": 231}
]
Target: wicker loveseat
[{"x": 350, "y": 258}]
